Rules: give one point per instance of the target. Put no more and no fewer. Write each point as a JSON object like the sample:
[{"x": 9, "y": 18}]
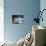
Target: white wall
[
  {"x": 1, "y": 20},
  {"x": 43, "y": 6}
]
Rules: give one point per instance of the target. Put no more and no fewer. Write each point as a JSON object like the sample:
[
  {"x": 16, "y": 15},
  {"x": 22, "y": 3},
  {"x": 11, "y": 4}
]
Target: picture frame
[{"x": 18, "y": 19}]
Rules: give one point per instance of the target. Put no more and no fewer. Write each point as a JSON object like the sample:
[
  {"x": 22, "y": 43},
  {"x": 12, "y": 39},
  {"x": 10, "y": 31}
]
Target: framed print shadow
[{"x": 18, "y": 19}]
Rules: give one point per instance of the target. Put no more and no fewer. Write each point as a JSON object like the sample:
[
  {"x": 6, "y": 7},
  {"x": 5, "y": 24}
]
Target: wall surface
[
  {"x": 43, "y": 6},
  {"x": 13, "y": 32},
  {"x": 1, "y": 20}
]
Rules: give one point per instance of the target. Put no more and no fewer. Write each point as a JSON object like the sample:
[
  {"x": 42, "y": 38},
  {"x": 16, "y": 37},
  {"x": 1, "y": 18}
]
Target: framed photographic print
[{"x": 17, "y": 19}]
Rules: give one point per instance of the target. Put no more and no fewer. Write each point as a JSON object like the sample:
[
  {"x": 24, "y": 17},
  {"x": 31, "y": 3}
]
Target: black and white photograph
[{"x": 17, "y": 19}]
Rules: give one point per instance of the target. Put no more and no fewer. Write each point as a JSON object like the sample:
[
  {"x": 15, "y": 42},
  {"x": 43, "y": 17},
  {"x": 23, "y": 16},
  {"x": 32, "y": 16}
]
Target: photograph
[{"x": 18, "y": 19}]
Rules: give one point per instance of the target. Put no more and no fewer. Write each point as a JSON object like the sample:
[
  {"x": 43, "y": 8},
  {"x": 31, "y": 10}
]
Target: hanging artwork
[{"x": 17, "y": 19}]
